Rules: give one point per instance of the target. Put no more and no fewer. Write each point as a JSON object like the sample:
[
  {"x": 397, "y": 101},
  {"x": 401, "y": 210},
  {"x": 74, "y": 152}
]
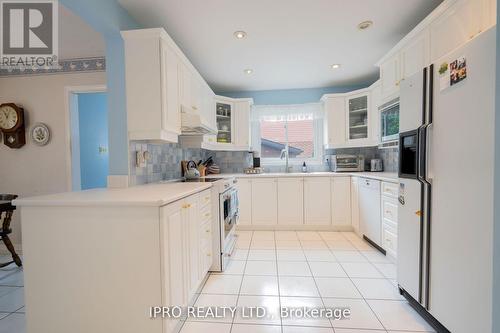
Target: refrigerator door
[
  {"x": 409, "y": 238},
  {"x": 461, "y": 163},
  {"x": 412, "y": 97}
]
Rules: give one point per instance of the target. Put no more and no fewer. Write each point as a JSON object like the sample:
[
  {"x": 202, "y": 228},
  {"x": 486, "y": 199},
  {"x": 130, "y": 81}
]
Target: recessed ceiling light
[
  {"x": 335, "y": 66},
  {"x": 240, "y": 34},
  {"x": 248, "y": 71},
  {"x": 365, "y": 25}
]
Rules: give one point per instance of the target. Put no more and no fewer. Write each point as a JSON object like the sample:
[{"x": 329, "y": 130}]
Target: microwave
[{"x": 389, "y": 121}]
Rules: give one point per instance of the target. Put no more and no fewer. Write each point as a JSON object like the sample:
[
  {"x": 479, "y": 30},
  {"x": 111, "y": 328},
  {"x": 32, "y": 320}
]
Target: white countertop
[
  {"x": 152, "y": 195},
  {"x": 382, "y": 176}
]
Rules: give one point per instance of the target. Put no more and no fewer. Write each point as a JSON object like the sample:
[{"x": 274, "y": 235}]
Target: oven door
[{"x": 228, "y": 219}]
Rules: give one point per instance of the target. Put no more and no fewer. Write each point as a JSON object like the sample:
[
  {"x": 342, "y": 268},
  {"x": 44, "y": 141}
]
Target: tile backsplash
[{"x": 165, "y": 159}]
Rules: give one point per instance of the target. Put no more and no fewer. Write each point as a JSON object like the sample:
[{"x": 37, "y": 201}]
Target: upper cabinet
[
  {"x": 161, "y": 84},
  {"x": 449, "y": 26},
  {"x": 351, "y": 119},
  {"x": 232, "y": 119}
]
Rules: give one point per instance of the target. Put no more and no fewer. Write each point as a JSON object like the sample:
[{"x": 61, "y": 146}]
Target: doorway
[{"x": 89, "y": 139}]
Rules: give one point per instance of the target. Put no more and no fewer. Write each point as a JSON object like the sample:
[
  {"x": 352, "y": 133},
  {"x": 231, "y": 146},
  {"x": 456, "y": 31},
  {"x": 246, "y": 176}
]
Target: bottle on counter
[{"x": 304, "y": 167}]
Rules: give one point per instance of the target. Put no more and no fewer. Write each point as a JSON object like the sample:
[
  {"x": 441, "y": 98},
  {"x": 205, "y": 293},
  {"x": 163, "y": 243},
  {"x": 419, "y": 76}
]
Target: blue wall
[
  {"x": 109, "y": 18},
  {"x": 93, "y": 132},
  {"x": 289, "y": 96}
]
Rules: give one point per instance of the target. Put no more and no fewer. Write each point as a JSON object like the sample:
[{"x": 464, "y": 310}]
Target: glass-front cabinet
[
  {"x": 224, "y": 114},
  {"x": 357, "y": 117}
]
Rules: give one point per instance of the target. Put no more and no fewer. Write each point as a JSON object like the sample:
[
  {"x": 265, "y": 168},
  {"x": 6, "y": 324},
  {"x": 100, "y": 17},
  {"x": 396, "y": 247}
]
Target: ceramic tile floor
[
  {"x": 307, "y": 269},
  {"x": 282, "y": 268},
  {"x": 11, "y": 298}
]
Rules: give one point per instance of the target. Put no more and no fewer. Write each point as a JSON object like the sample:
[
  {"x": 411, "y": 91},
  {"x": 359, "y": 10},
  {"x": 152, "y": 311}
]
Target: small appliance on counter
[
  {"x": 256, "y": 168},
  {"x": 347, "y": 163},
  {"x": 376, "y": 165}
]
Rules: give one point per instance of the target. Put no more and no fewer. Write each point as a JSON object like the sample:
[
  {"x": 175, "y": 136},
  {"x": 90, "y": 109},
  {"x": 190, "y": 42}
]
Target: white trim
[{"x": 68, "y": 91}]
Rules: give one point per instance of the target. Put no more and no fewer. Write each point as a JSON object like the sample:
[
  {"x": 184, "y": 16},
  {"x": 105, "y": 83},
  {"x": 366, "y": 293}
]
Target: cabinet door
[
  {"x": 341, "y": 201},
  {"x": 264, "y": 201},
  {"x": 173, "y": 256},
  {"x": 415, "y": 55},
  {"x": 390, "y": 76},
  {"x": 170, "y": 89},
  {"x": 317, "y": 201},
  {"x": 358, "y": 118},
  {"x": 291, "y": 201},
  {"x": 196, "y": 92},
  {"x": 185, "y": 85},
  {"x": 245, "y": 201},
  {"x": 456, "y": 26},
  {"x": 193, "y": 249},
  {"x": 335, "y": 130},
  {"x": 355, "y": 204},
  {"x": 242, "y": 123},
  {"x": 375, "y": 102}
]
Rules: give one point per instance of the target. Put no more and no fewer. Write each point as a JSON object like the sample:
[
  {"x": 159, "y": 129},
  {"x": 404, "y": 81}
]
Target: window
[{"x": 298, "y": 126}]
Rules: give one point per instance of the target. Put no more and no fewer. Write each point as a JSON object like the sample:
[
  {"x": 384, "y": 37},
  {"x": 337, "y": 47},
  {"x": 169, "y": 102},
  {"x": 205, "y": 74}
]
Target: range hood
[{"x": 191, "y": 123}]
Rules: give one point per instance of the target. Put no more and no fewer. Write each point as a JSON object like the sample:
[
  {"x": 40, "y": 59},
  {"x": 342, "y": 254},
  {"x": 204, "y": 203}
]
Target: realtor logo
[{"x": 29, "y": 33}]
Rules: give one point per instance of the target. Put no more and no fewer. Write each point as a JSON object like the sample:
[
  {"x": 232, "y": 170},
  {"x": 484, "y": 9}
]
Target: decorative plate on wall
[{"x": 40, "y": 134}]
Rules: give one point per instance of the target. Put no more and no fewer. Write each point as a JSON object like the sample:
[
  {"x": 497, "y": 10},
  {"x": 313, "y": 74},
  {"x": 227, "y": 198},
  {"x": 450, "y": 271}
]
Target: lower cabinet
[
  {"x": 291, "y": 201},
  {"x": 341, "y": 201},
  {"x": 317, "y": 201},
  {"x": 265, "y": 201},
  {"x": 186, "y": 241},
  {"x": 389, "y": 209}
]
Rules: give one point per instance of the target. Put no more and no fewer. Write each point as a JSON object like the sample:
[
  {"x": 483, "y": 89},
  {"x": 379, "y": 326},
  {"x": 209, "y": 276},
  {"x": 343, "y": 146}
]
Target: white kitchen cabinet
[
  {"x": 460, "y": 23},
  {"x": 334, "y": 123},
  {"x": 389, "y": 212},
  {"x": 390, "y": 76},
  {"x": 172, "y": 227},
  {"x": 193, "y": 249},
  {"x": 358, "y": 118},
  {"x": 152, "y": 107},
  {"x": 415, "y": 55},
  {"x": 355, "y": 204},
  {"x": 160, "y": 84},
  {"x": 375, "y": 103},
  {"x": 245, "y": 201},
  {"x": 317, "y": 201},
  {"x": 369, "y": 209},
  {"x": 242, "y": 122},
  {"x": 265, "y": 201},
  {"x": 341, "y": 201},
  {"x": 291, "y": 201}
]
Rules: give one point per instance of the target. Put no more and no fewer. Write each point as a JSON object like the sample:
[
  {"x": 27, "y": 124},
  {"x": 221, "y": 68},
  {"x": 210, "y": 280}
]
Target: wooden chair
[{"x": 6, "y": 211}]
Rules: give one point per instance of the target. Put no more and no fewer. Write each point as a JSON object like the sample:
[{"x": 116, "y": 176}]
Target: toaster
[{"x": 347, "y": 163}]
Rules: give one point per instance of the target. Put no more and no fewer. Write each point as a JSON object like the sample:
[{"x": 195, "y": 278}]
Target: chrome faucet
[{"x": 284, "y": 153}]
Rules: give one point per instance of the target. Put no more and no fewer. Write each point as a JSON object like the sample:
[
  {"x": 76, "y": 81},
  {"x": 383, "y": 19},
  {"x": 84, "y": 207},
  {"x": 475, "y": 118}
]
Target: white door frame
[{"x": 68, "y": 92}]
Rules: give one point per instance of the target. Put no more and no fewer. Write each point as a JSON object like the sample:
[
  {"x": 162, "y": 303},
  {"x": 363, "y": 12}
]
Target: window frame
[{"x": 318, "y": 141}]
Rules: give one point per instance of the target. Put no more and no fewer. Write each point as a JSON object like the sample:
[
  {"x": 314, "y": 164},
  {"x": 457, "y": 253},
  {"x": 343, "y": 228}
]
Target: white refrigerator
[{"x": 445, "y": 242}]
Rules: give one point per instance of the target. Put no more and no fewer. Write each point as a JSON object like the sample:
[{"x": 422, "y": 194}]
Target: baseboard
[
  {"x": 372, "y": 243},
  {"x": 293, "y": 228},
  {"x": 17, "y": 247}
]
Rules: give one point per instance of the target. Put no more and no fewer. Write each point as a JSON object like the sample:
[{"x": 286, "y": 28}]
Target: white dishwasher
[{"x": 369, "y": 210}]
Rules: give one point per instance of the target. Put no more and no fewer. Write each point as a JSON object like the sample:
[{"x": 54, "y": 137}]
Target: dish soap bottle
[{"x": 304, "y": 167}]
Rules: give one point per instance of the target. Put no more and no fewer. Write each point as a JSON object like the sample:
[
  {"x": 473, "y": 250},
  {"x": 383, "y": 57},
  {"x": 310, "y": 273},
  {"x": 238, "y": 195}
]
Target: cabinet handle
[
  {"x": 207, "y": 214},
  {"x": 186, "y": 206},
  {"x": 207, "y": 198},
  {"x": 209, "y": 254},
  {"x": 388, "y": 212},
  {"x": 207, "y": 231}
]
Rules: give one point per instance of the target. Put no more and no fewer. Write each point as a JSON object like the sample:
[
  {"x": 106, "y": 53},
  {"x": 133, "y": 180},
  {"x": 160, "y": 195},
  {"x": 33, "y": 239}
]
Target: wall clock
[{"x": 12, "y": 125}]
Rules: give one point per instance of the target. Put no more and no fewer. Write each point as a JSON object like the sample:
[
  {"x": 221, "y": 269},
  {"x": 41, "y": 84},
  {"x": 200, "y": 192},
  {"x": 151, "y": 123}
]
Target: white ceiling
[
  {"x": 76, "y": 38},
  {"x": 290, "y": 43}
]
